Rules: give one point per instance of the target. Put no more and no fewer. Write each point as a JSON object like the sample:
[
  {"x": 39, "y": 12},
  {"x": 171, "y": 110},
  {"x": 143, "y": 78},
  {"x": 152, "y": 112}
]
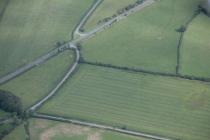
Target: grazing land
[
  {"x": 137, "y": 67},
  {"x": 35, "y": 84},
  {"x": 3, "y": 7},
  {"x": 106, "y": 9},
  {"x": 17, "y": 134},
  {"x": 51, "y": 130},
  {"x": 146, "y": 40},
  {"x": 30, "y": 28},
  {"x": 3, "y": 113},
  {"x": 195, "y": 51},
  {"x": 165, "y": 106}
]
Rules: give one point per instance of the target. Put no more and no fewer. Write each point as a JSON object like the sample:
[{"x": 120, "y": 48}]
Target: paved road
[
  {"x": 100, "y": 126},
  {"x": 83, "y": 21},
  {"x": 53, "y": 92},
  {"x": 108, "y": 24},
  {"x": 31, "y": 65},
  {"x": 84, "y": 36}
]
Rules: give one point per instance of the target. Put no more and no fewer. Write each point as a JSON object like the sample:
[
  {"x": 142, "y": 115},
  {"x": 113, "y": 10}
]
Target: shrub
[{"x": 10, "y": 102}]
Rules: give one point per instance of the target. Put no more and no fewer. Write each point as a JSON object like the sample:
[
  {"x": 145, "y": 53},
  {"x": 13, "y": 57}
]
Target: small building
[{"x": 205, "y": 6}]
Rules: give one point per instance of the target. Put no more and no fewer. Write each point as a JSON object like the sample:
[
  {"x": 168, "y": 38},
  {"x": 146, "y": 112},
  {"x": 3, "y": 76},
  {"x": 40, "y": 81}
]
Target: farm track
[
  {"x": 71, "y": 45},
  {"x": 100, "y": 126},
  {"x": 85, "y": 18},
  {"x": 66, "y": 76},
  {"x": 54, "y": 52},
  {"x": 74, "y": 47}
]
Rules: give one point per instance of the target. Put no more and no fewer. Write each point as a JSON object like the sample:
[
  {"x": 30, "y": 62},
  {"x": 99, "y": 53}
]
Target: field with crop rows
[{"x": 153, "y": 104}]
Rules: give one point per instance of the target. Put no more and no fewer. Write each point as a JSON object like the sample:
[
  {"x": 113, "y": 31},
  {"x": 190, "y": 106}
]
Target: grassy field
[
  {"x": 17, "y": 134},
  {"x": 146, "y": 39},
  {"x": 106, "y": 9},
  {"x": 3, "y": 6},
  {"x": 35, "y": 84},
  {"x": 3, "y": 113},
  {"x": 196, "y": 48},
  {"x": 30, "y": 28},
  {"x": 159, "y": 105},
  {"x": 43, "y": 129}
]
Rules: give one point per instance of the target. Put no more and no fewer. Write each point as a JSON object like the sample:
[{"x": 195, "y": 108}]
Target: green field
[
  {"x": 106, "y": 9},
  {"x": 40, "y": 129},
  {"x": 3, "y": 6},
  {"x": 35, "y": 84},
  {"x": 146, "y": 39},
  {"x": 3, "y": 113},
  {"x": 17, "y": 134},
  {"x": 30, "y": 28},
  {"x": 160, "y": 105},
  {"x": 195, "y": 52}
]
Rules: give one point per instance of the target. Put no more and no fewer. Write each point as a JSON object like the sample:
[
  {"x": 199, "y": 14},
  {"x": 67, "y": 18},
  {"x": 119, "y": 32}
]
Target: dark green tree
[
  {"x": 10, "y": 102},
  {"x": 205, "y": 6}
]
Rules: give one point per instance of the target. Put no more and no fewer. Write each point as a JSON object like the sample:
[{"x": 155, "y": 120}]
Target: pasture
[
  {"x": 195, "y": 50},
  {"x": 106, "y": 9},
  {"x": 30, "y": 28},
  {"x": 3, "y": 113},
  {"x": 159, "y": 105},
  {"x": 17, "y": 134},
  {"x": 3, "y": 6},
  {"x": 36, "y": 83},
  {"x": 42, "y": 129},
  {"x": 146, "y": 40}
]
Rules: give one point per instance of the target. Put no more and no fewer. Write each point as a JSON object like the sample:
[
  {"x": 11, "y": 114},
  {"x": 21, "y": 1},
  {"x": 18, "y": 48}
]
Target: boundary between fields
[
  {"x": 183, "y": 30},
  {"x": 4, "y": 9},
  {"x": 54, "y": 52},
  {"x": 100, "y": 126},
  {"x": 145, "y": 71},
  {"x": 60, "y": 84}
]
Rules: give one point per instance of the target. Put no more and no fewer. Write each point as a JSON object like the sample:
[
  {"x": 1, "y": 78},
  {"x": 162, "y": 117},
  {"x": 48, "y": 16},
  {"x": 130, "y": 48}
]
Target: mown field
[
  {"x": 195, "y": 51},
  {"x": 51, "y": 130},
  {"x": 146, "y": 39},
  {"x": 30, "y": 28},
  {"x": 106, "y": 9},
  {"x": 160, "y": 105},
  {"x": 35, "y": 84},
  {"x": 17, "y": 134}
]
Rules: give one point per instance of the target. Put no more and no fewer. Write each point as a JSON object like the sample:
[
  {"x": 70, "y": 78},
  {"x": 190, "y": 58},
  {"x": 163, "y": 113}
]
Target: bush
[{"x": 10, "y": 102}]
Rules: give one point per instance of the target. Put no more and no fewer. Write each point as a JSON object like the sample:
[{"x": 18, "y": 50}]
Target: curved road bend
[
  {"x": 110, "y": 22},
  {"x": 84, "y": 36},
  {"x": 70, "y": 71},
  {"x": 89, "y": 13}
]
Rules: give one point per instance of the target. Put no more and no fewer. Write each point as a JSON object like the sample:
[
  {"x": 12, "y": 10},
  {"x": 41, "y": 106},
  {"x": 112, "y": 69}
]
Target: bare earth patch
[
  {"x": 65, "y": 129},
  {"x": 94, "y": 136}
]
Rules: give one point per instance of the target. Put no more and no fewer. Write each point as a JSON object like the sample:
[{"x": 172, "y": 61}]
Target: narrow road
[
  {"x": 108, "y": 24},
  {"x": 83, "y": 36},
  {"x": 83, "y": 21},
  {"x": 33, "y": 64},
  {"x": 134, "y": 133},
  {"x": 70, "y": 71}
]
